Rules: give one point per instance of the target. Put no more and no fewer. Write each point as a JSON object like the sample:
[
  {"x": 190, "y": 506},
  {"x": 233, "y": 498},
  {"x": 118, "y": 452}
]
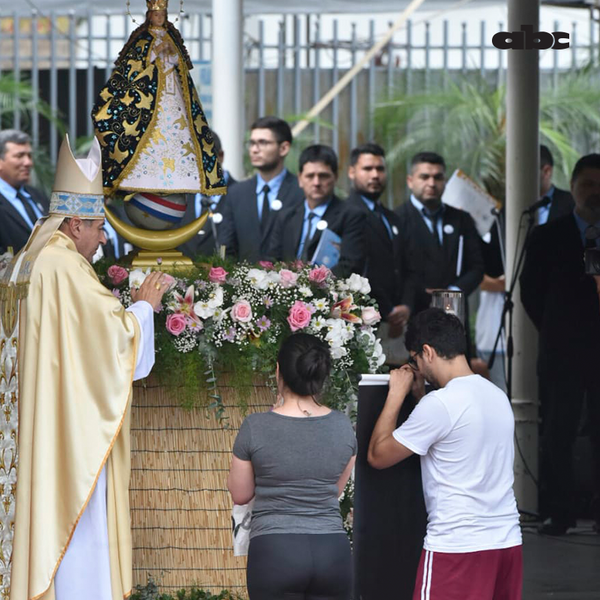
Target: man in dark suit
[
  {"x": 251, "y": 206},
  {"x": 20, "y": 205},
  {"x": 204, "y": 243},
  {"x": 562, "y": 301},
  {"x": 440, "y": 243},
  {"x": 560, "y": 201},
  {"x": 384, "y": 268},
  {"x": 298, "y": 229}
]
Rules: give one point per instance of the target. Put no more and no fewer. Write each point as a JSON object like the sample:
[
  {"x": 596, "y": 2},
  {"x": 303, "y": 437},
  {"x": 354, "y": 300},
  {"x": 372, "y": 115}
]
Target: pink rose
[
  {"x": 370, "y": 316},
  {"x": 168, "y": 280},
  {"x": 241, "y": 312},
  {"x": 266, "y": 264},
  {"x": 298, "y": 265},
  {"x": 117, "y": 274},
  {"x": 319, "y": 275},
  {"x": 218, "y": 275},
  {"x": 176, "y": 323},
  {"x": 299, "y": 316},
  {"x": 288, "y": 279}
]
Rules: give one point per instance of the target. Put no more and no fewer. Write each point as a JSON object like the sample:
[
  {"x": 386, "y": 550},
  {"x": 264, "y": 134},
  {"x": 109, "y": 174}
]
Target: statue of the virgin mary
[{"x": 156, "y": 143}]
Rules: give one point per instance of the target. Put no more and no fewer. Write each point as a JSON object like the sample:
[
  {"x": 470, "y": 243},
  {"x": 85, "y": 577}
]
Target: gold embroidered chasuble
[{"x": 76, "y": 360}]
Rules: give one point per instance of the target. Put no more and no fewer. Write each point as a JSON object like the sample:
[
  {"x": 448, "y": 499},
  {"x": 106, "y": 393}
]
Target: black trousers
[
  {"x": 299, "y": 567},
  {"x": 562, "y": 395}
]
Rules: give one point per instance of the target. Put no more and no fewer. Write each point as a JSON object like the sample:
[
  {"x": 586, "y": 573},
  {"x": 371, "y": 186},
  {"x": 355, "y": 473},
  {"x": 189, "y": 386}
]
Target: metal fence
[{"x": 290, "y": 60}]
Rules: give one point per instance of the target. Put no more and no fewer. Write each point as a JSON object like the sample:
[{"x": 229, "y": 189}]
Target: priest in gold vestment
[{"x": 70, "y": 379}]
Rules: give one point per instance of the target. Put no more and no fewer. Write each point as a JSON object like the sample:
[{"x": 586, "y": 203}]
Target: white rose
[
  {"x": 370, "y": 316},
  {"x": 356, "y": 283}
]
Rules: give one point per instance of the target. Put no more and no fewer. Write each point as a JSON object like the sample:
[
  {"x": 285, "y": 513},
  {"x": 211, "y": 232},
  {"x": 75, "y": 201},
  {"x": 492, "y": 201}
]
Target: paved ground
[{"x": 562, "y": 568}]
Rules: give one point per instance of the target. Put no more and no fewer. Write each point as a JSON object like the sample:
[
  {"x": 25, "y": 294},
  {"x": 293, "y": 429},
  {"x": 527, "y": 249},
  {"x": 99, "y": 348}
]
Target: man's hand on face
[
  {"x": 401, "y": 381},
  {"x": 152, "y": 290}
]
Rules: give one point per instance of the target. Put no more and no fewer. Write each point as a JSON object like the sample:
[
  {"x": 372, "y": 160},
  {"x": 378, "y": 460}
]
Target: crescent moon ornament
[{"x": 155, "y": 241}]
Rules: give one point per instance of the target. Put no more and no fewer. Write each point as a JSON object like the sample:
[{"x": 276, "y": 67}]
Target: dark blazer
[
  {"x": 203, "y": 243},
  {"x": 345, "y": 220},
  {"x": 124, "y": 246},
  {"x": 434, "y": 266},
  {"x": 240, "y": 230},
  {"x": 385, "y": 267},
  {"x": 562, "y": 204},
  {"x": 560, "y": 298},
  {"x": 14, "y": 231}
]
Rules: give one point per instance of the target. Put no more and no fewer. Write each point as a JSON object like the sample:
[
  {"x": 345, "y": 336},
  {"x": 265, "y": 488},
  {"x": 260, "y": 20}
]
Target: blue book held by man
[{"x": 328, "y": 249}]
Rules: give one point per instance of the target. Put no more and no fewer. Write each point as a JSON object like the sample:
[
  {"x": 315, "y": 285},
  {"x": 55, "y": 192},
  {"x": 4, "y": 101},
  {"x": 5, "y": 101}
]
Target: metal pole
[
  {"x": 522, "y": 181},
  {"x": 228, "y": 91}
]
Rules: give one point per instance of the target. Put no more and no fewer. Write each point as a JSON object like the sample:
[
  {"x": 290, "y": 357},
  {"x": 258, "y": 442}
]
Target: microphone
[{"x": 536, "y": 205}]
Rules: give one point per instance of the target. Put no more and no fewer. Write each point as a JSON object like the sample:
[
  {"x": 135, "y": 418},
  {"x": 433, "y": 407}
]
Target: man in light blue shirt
[
  {"x": 20, "y": 205},
  {"x": 252, "y": 205}
]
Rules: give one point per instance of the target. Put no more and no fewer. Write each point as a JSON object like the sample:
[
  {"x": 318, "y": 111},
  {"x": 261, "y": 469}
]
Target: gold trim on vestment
[{"x": 112, "y": 443}]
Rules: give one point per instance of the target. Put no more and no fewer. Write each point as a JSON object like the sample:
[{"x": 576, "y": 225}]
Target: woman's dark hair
[
  {"x": 304, "y": 364},
  {"x": 442, "y": 331}
]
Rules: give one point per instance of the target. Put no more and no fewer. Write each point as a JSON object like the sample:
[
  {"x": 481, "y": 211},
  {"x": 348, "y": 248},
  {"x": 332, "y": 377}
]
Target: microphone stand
[
  {"x": 207, "y": 204},
  {"x": 508, "y": 307}
]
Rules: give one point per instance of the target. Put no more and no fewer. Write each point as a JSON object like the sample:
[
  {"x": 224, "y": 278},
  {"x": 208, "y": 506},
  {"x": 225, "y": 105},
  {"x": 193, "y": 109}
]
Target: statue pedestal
[
  {"x": 180, "y": 506},
  {"x": 164, "y": 261}
]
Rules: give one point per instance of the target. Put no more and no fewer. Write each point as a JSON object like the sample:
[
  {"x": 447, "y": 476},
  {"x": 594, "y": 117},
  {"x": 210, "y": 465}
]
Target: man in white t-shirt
[{"x": 463, "y": 431}]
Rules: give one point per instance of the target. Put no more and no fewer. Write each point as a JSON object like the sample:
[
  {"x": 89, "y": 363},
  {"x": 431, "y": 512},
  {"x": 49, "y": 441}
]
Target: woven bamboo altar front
[{"x": 180, "y": 506}]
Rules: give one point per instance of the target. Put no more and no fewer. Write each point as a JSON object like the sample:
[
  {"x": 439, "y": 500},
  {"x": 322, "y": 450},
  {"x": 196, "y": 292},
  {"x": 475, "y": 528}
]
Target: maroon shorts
[{"x": 484, "y": 575}]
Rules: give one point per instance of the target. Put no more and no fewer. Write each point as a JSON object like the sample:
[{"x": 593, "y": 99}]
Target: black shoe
[{"x": 553, "y": 527}]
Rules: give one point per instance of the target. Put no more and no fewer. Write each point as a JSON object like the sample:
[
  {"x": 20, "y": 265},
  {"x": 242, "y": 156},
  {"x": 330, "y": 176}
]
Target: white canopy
[{"x": 252, "y": 6}]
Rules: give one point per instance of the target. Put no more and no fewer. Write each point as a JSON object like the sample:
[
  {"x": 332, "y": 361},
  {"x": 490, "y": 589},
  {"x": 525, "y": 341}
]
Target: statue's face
[{"x": 158, "y": 17}]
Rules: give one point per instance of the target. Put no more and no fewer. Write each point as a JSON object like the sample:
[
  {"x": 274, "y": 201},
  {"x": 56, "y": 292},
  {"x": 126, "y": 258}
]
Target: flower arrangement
[{"x": 219, "y": 317}]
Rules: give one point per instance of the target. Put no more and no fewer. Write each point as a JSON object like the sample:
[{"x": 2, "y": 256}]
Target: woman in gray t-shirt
[{"x": 296, "y": 461}]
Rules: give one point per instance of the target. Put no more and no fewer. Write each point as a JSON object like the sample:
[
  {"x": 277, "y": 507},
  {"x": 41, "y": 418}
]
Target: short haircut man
[
  {"x": 368, "y": 148},
  {"x": 386, "y": 269},
  {"x": 557, "y": 202},
  {"x": 463, "y": 432},
  {"x": 319, "y": 153},
  {"x": 297, "y": 231},
  {"x": 251, "y": 206},
  {"x": 439, "y": 241},
  {"x": 432, "y": 158},
  {"x": 562, "y": 301},
  {"x": 279, "y": 127},
  {"x": 20, "y": 204}
]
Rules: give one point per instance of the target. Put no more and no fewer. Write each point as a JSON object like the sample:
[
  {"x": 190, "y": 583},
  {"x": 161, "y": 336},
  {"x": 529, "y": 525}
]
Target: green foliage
[
  {"x": 18, "y": 96},
  {"x": 466, "y": 123},
  {"x": 151, "y": 591},
  {"x": 209, "y": 348}
]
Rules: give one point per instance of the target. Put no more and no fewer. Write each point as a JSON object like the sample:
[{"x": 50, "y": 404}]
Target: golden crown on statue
[{"x": 157, "y": 4}]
